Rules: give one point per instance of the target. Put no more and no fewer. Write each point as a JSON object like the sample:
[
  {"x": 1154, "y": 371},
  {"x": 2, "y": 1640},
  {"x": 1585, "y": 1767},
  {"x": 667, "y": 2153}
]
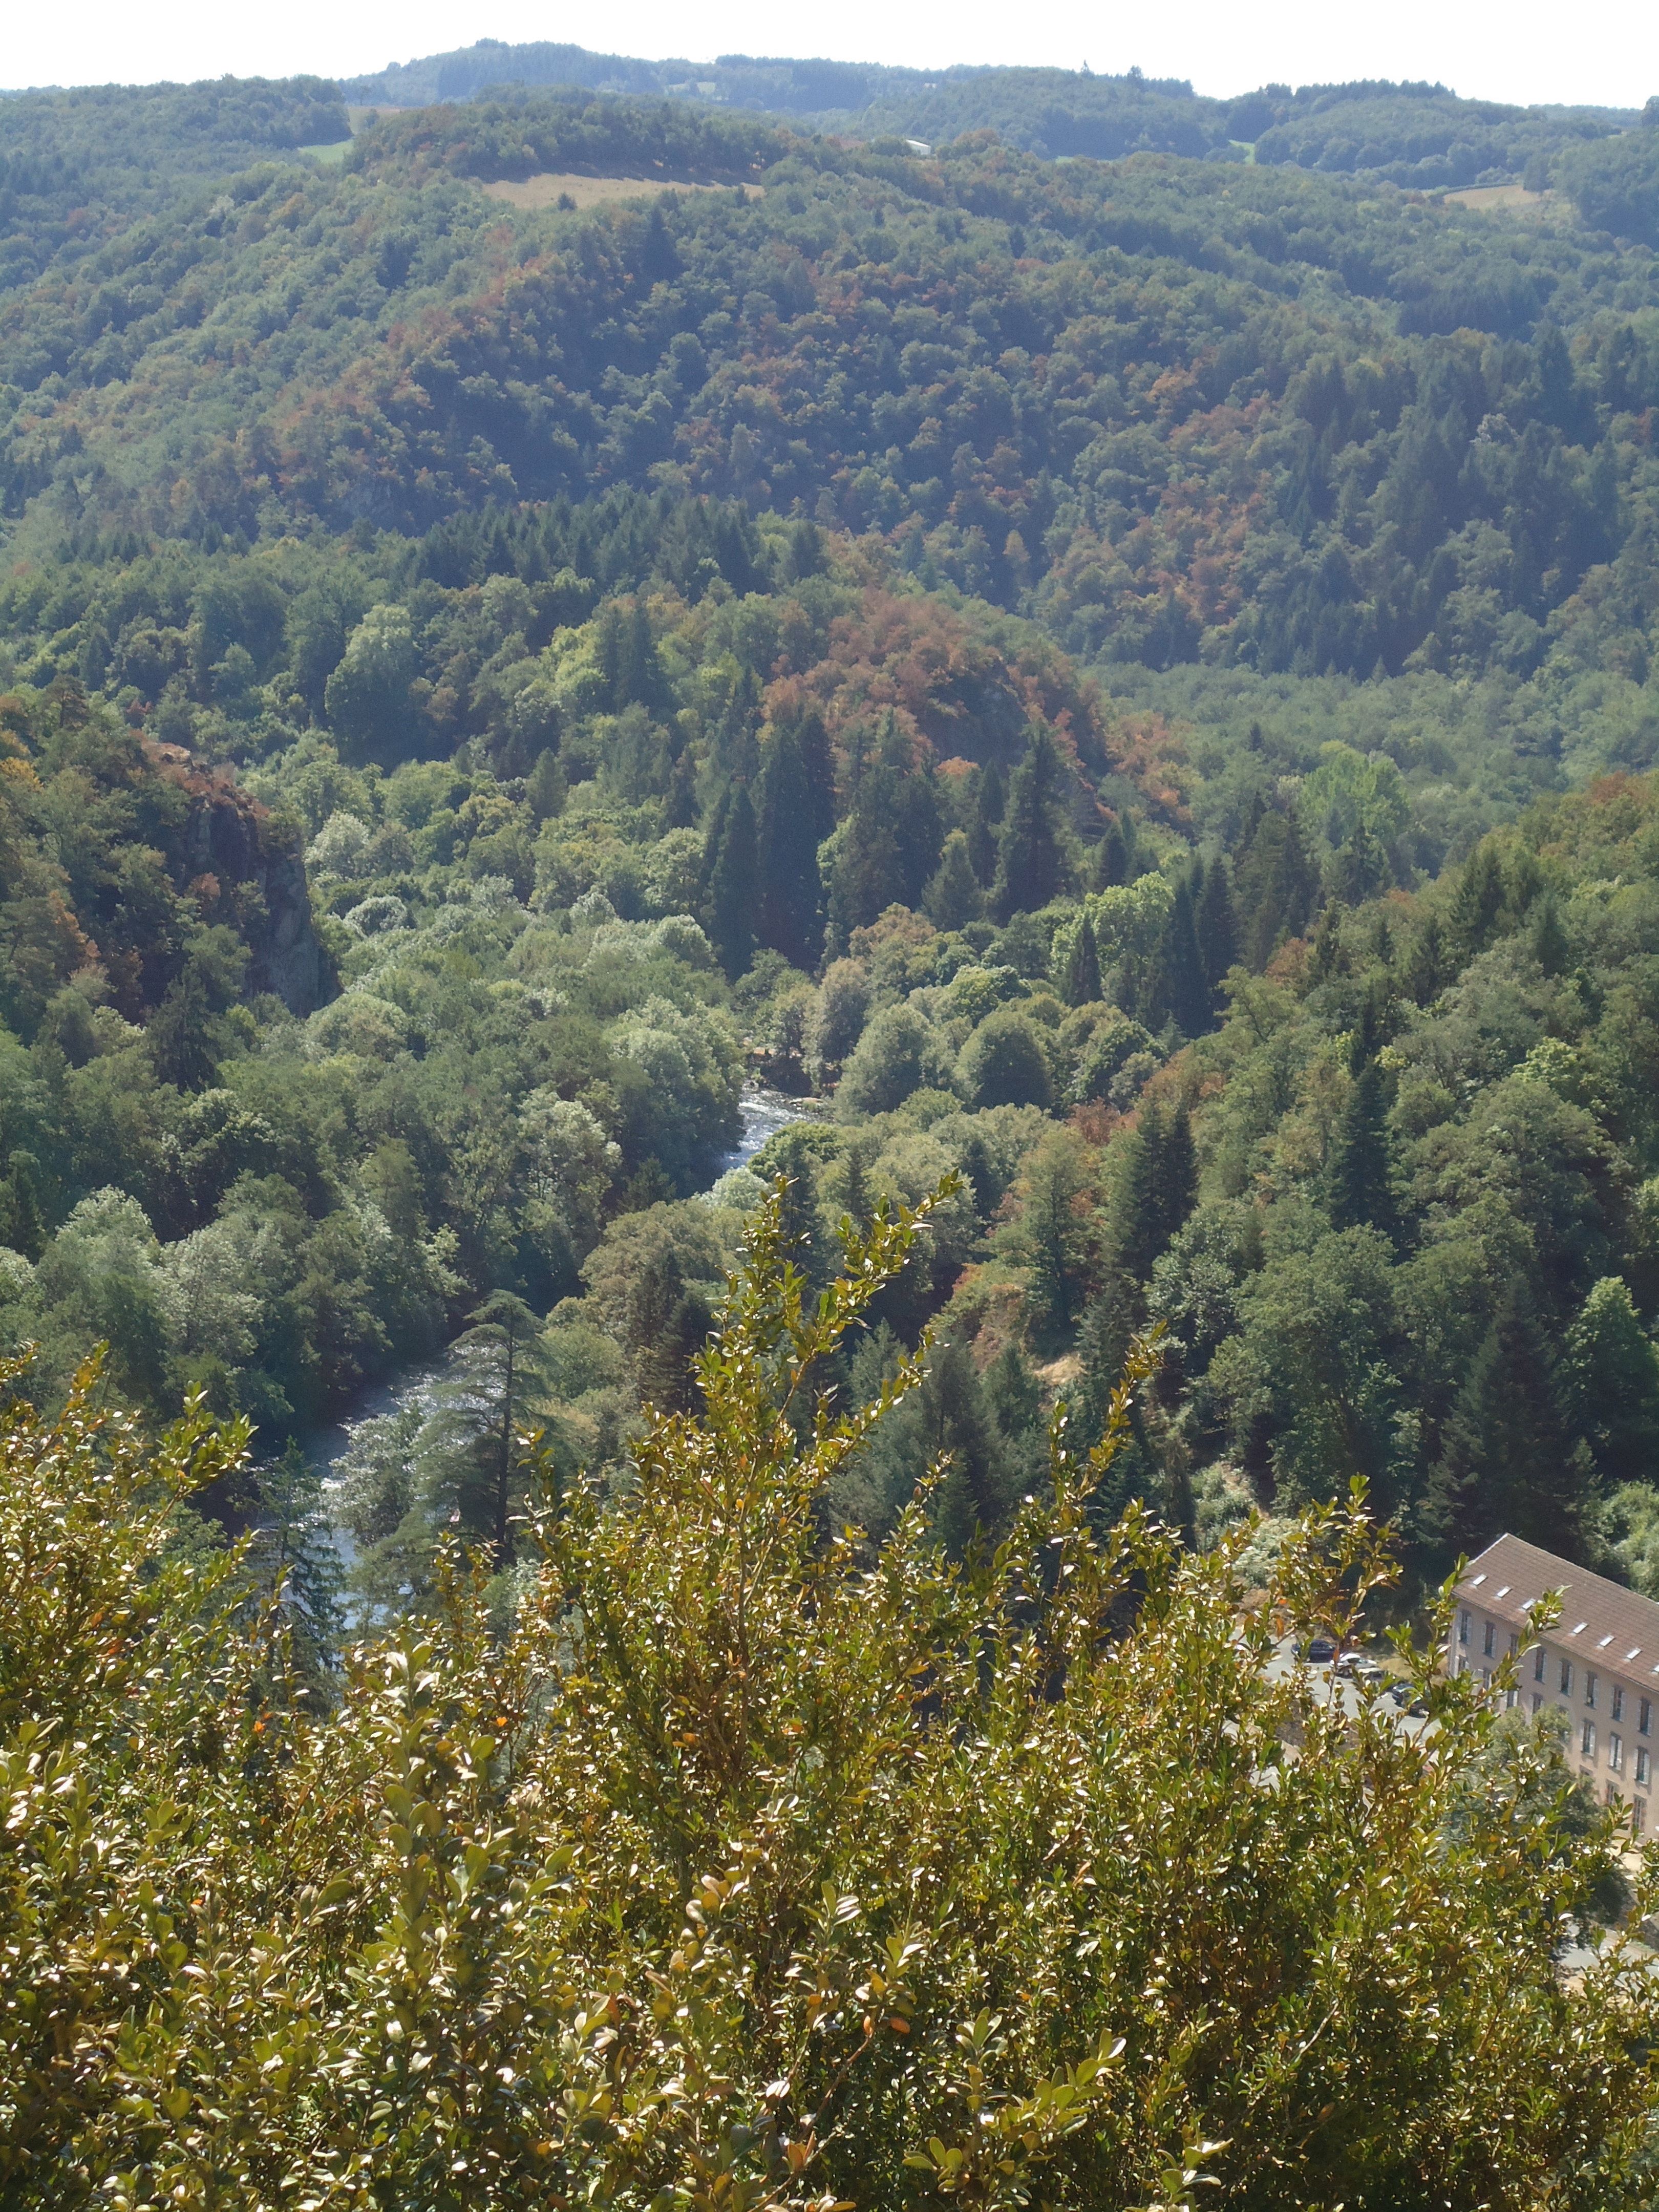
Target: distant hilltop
[{"x": 1418, "y": 136}]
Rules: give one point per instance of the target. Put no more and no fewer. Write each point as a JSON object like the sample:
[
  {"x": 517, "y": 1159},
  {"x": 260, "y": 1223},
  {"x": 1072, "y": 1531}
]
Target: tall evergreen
[
  {"x": 989, "y": 802},
  {"x": 954, "y": 897},
  {"x": 1550, "y": 948},
  {"x": 1217, "y": 924},
  {"x": 820, "y": 767},
  {"x": 1031, "y": 857},
  {"x": 1428, "y": 965},
  {"x": 734, "y": 905},
  {"x": 1109, "y": 864},
  {"x": 1175, "y": 988},
  {"x": 1159, "y": 1187},
  {"x": 1083, "y": 969},
  {"x": 1506, "y": 1462},
  {"x": 712, "y": 836},
  {"x": 665, "y": 1325},
  {"x": 791, "y": 922},
  {"x": 1478, "y": 902},
  {"x": 890, "y": 842},
  {"x": 1359, "y": 1172},
  {"x": 1276, "y": 885},
  {"x": 1362, "y": 866}
]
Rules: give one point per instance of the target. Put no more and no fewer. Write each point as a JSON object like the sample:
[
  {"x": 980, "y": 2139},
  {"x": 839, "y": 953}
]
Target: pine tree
[
  {"x": 1360, "y": 1174},
  {"x": 1158, "y": 1190},
  {"x": 1111, "y": 863},
  {"x": 733, "y": 903},
  {"x": 1172, "y": 986},
  {"x": 954, "y": 897},
  {"x": 1506, "y": 1462},
  {"x": 1083, "y": 969},
  {"x": 1428, "y": 966},
  {"x": 1478, "y": 903},
  {"x": 790, "y": 894},
  {"x": 1275, "y": 885},
  {"x": 665, "y": 1325},
  {"x": 1550, "y": 948},
  {"x": 1218, "y": 925},
  {"x": 1362, "y": 866},
  {"x": 712, "y": 836},
  {"x": 989, "y": 802},
  {"x": 1031, "y": 859},
  {"x": 820, "y": 769},
  {"x": 471, "y": 1447}
]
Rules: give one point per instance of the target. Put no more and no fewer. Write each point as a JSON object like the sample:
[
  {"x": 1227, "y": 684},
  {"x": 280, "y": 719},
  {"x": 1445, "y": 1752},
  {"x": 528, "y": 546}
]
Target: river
[{"x": 764, "y": 1113}]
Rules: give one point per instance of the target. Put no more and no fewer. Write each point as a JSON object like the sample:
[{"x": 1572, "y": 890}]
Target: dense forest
[
  {"x": 1126, "y": 683},
  {"x": 1092, "y": 653}
]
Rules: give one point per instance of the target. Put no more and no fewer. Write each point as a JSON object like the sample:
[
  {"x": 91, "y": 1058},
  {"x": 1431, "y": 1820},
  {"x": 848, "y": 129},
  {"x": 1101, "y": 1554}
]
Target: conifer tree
[
  {"x": 1031, "y": 859},
  {"x": 1109, "y": 865},
  {"x": 1478, "y": 900},
  {"x": 665, "y": 1324},
  {"x": 790, "y": 893},
  {"x": 1159, "y": 1187},
  {"x": 733, "y": 897},
  {"x": 890, "y": 842},
  {"x": 1550, "y": 948},
  {"x": 1428, "y": 965},
  {"x": 954, "y": 896},
  {"x": 1083, "y": 969},
  {"x": 713, "y": 837},
  {"x": 990, "y": 801},
  {"x": 1362, "y": 866},
  {"x": 471, "y": 1445},
  {"x": 1276, "y": 885},
  {"x": 1175, "y": 988},
  {"x": 820, "y": 769},
  {"x": 1360, "y": 1174},
  {"x": 1218, "y": 925},
  {"x": 1506, "y": 1462}
]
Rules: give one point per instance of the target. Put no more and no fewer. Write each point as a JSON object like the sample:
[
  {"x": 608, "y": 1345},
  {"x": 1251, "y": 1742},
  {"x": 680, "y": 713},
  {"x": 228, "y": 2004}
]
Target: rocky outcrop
[{"x": 245, "y": 865}]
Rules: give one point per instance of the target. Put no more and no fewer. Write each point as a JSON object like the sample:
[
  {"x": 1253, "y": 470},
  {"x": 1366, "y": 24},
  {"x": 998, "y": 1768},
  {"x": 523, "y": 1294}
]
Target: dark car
[{"x": 1320, "y": 1650}]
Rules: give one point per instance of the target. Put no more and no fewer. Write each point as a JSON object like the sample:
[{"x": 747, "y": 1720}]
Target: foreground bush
[{"x": 761, "y": 1870}]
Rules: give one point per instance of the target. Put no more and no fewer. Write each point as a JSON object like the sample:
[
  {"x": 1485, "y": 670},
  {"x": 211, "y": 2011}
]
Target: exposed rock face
[{"x": 245, "y": 867}]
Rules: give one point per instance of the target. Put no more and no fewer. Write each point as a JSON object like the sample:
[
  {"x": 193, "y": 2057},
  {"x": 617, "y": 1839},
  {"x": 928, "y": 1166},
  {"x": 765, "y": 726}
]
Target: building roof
[{"x": 1612, "y": 1626}]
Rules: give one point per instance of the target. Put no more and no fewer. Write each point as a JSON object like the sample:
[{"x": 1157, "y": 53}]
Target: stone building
[{"x": 1599, "y": 1665}]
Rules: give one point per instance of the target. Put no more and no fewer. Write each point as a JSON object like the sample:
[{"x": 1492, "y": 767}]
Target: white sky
[{"x": 1603, "y": 51}]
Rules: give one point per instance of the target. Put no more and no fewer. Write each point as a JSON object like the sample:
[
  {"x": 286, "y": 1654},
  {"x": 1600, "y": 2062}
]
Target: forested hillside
[
  {"x": 1112, "y": 705},
  {"x": 1405, "y": 134},
  {"x": 1128, "y": 682}
]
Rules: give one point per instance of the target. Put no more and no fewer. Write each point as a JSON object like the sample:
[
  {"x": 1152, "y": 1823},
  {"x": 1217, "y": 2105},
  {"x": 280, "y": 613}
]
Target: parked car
[{"x": 1318, "y": 1651}]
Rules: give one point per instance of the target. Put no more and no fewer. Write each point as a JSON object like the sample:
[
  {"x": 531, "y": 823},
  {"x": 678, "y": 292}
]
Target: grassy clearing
[{"x": 546, "y": 190}]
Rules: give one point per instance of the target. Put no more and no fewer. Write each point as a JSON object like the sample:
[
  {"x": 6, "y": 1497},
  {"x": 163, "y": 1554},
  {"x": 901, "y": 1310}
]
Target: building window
[
  {"x": 1641, "y": 1769},
  {"x": 1462, "y": 1627},
  {"x": 1515, "y": 1644},
  {"x": 1566, "y": 1678},
  {"x": 1618, "y": 1701},
  {"x": 1643, "y": 1715},
  {"x": 1587, "y": 1741},
  {"x": 1537, "y": 1701},
  {"x": 1491, "y": 1636},
  {"x": 1485, "y": 1678},
  {"x": 1589, "y": 1691},
  {"x": 1537, "y": 1664},
  {"x": 1511, "y": 1699},
  {"x": 1638, "y": 1817},
  {"x": 1616, "y": 1753}
]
